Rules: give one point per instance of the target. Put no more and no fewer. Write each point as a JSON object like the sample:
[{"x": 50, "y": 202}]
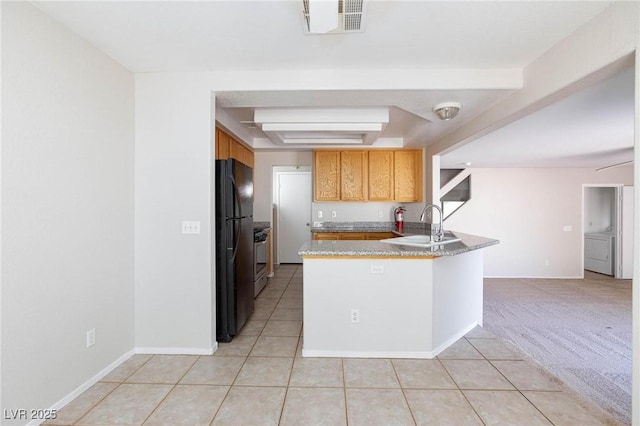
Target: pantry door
[{"x": 293, "y": 210}]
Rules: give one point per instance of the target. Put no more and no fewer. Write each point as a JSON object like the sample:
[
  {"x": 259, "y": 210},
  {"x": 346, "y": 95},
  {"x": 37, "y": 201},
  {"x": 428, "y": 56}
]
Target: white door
[
  {"x": 294, "y": 213},
  {"x": 624, "y": 261}
]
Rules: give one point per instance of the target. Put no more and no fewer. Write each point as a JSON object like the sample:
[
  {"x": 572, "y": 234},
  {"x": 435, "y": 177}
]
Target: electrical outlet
[
  {"x": 546, "y": 262},
  {"x": 319, "y": 214},
  {"x": 376, "y": 269},
  {"x": 190, "y": 227},
  {"x": 380, "y": 214},
  {"x": 355, "y": 316},
  {"x": 567, "y": 228},
  {"x": 334, "y": 214},
  {"x": 91, "y": 337}
]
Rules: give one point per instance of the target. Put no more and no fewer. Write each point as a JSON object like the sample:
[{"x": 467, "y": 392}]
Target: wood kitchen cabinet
[
  {"x": 326, "y": 175},
  {"x": 381, "y": 172},
  {"x": 326, "y": 235},
  {"x": 352, "y": 235},
  {"x": 340, "y": 175},
  {"x": 223, "y": 141},
  {"x": 368, "y": 175},
  {"x": 241, "y": 153},
  {"x": 379, "y": 235},
  {"x": 353, "y": 175},
  {"x": 228, "y": 147},
  {"x": 407, "y": 174}
]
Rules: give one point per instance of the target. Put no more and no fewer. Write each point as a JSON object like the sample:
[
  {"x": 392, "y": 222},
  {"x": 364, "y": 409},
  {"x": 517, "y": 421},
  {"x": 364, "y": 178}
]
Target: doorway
[
  {"x": 292, "y": 211},
  {"x": 608, "y": 230}
]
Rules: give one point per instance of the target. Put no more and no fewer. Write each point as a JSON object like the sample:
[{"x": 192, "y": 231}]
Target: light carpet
[{"x": 580, "y": 330}]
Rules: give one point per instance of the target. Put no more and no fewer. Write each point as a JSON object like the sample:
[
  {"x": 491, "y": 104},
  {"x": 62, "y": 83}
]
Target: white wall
[
  {"x": 263, "y": 173},
  {"x": 599, "y": 209},
  {"x": 67, "y": 209},
  {"x": 527, "y": 209},
  {"x": 174, "y": 164}
]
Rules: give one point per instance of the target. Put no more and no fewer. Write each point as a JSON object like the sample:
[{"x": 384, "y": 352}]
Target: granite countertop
[
  {"x": 376, "y": 248},
  {"x": 409, "y": 227},
  {"x": 259, "y": 226}
]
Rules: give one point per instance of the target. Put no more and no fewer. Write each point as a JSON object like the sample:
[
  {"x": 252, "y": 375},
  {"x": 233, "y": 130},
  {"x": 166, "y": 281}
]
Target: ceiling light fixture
[{"x": 447, "y": 110}]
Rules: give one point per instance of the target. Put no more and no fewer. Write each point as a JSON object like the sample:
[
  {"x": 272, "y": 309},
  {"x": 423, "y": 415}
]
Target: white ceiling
[
  {"x": 237, "y": 35},
  {"x": 592, "y": 128}
]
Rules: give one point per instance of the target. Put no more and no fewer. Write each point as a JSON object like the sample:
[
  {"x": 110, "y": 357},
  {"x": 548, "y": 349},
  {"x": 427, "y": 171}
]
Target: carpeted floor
[{"x": 580, "y": 330}]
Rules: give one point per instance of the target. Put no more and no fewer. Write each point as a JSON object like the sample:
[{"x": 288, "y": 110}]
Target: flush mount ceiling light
[
  {"x": 447, "y": 110},
  {"x": 354, "y": 126},
  {"x": 333, "y": 16}
]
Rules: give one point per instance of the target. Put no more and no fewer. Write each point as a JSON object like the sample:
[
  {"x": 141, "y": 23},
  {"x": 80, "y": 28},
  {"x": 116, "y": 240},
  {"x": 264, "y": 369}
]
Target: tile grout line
[
  {"x": 462, "y": 391},
  {"x": 112, "y": 390},
  {"x": 246, "y": 357},
  {"x": 344, "y": 391},
  {"x": 404, "y": 395},
  {"x": 490, "y": 361},
  {"x": 170, "y": 390}
]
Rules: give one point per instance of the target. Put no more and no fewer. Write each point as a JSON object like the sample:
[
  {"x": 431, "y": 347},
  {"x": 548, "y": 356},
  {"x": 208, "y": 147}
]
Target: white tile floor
[{"x": 260, "y": 378}]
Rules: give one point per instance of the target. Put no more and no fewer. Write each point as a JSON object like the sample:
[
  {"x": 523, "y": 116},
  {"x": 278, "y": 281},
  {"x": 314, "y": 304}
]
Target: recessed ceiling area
[
  {"x": 411, "y": 120},
  {"x": 321, "y": 126}
]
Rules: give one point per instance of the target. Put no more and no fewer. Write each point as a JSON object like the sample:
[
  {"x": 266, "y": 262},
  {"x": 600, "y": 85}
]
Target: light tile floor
[{"x": 260, "y": 378}]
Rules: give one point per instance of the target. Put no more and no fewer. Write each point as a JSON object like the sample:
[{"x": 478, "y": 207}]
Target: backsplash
[{"x": 363, "y": 212}]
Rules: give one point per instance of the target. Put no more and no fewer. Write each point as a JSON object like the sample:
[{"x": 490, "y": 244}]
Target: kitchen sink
[{"x": 419, "y": 241}]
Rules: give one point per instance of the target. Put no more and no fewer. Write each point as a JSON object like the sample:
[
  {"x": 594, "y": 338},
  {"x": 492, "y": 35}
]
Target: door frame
[
  {"x": 618, "y": 226},
  {"x": 275, "y": 219}
]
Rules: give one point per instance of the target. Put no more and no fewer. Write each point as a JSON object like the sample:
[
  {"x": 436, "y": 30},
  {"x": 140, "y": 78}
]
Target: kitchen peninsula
[{"x": 379, "y": 300}]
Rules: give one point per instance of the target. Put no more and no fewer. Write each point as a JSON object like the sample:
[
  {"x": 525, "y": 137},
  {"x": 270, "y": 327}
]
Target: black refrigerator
[{"x": 234, "y": 247}]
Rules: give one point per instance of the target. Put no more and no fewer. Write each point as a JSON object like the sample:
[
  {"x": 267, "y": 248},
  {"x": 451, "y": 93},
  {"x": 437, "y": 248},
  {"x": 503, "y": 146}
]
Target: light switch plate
[
  {"x": 190, "y": 227},
  {"x": 91, "y": 337}
]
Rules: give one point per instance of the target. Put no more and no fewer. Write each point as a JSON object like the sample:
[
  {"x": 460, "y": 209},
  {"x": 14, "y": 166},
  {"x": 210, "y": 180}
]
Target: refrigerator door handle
[
  {"x": 237, "y": 202},
  {"x": 237, "y": 197},
  {"x": 237, "y": 243}
]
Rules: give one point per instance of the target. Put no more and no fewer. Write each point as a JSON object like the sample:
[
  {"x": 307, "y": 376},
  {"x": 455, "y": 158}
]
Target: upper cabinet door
[
  {"x": 353, "y": 175},
  {"x": 326, "y": 175},
  {"x": 222, "y": 145},
  {"x": 381, "y": 175},
  {"x": 367, "y": 175},
  {"x": 407, "y": 166},
  {"x": 228, "y": 147}
]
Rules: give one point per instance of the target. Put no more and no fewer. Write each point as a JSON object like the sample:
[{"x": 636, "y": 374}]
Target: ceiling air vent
[{"x": 350, "y": 17}]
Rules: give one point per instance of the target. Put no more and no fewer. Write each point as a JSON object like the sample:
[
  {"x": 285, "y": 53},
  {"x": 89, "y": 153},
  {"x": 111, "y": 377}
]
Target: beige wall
[
  {"x": 67, "y": 210},
  {"x": 527, "y": 209},
  {"x": 263, "y": 177}
]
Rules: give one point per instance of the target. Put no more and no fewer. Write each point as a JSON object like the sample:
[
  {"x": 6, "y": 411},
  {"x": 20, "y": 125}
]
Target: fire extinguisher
[{"x": 399, "y": 216}]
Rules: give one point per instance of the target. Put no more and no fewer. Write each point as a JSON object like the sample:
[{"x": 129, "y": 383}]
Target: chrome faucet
[{"x": 437, "y": 230}]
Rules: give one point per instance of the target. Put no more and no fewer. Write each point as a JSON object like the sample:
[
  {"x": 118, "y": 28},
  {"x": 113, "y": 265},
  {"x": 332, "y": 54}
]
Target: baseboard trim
[
  {"x": 533, "y": 277},
  {"x": 109, "y": 368},
  {"x": 177, "y": 351},
  {"x": 86, "y": 385},
  {"x": 455, "y": 338},
  {"x": 367, "y": 354}
]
